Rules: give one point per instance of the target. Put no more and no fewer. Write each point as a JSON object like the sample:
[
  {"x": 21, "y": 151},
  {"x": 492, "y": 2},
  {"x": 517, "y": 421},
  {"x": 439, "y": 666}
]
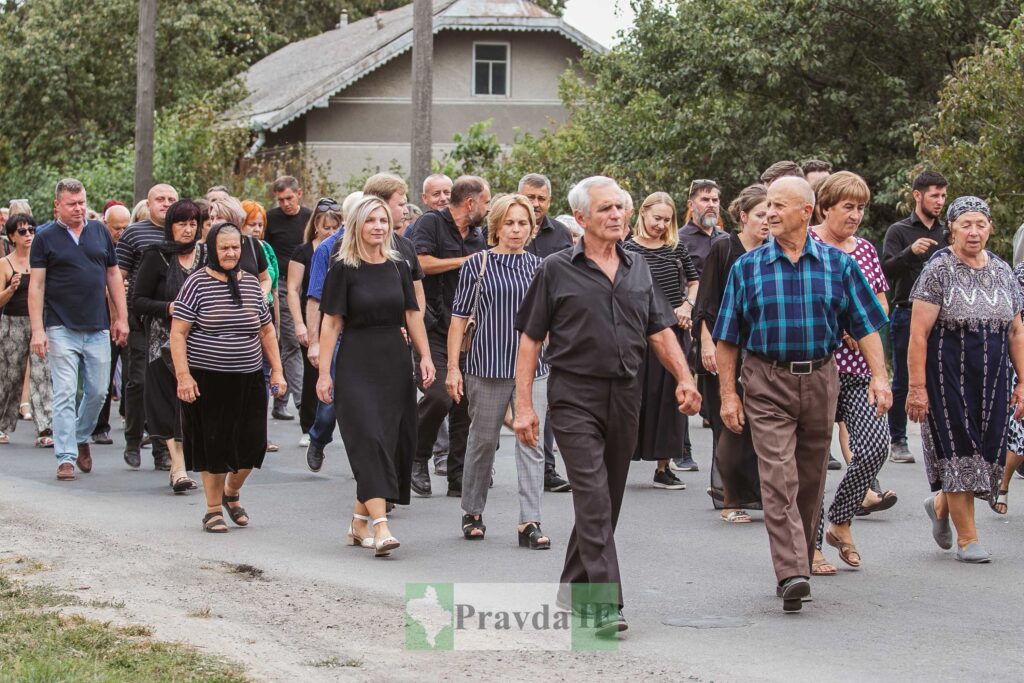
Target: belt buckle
[{"x": 804, "y": 367}]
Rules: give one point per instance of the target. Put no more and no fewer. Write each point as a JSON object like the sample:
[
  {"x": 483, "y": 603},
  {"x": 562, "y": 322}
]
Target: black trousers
[
  {"x": 310, "y": 375},
  {"x": 103, "y": 421},
  {"x": 595, "y": 423},
  {"x": 434, "y": 405},
  {"x": 134, "y": 395}
]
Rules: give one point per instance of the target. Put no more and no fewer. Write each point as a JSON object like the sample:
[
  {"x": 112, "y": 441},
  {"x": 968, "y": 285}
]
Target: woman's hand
[
  {"x": 453, "y": 384},
  {"x": 683, "y": 315},
  {"x": 301, "y": 333},
  {"x": 427, "y": 372},
  {"x": 708, "y": 358},
  {"x": 188, "y": 390},
  {"x": 1017, "y": 401},
  {"x": 325, "y": 389},
  {"x": 917, "y": 403},
  {"x": 277, "y": 380},
  {"x": 851, "y": 343},
  {"x": 15, "y": 281}
]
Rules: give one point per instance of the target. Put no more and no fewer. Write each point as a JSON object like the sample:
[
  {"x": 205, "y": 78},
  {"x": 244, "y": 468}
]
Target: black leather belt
[{"x": 800, "y": 367}]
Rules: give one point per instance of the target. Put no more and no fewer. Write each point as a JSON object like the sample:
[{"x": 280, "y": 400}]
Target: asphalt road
[{"x": 911, "y": 613}]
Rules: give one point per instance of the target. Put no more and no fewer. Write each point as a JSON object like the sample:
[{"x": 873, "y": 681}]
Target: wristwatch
[{"x": 691, "y": 302}]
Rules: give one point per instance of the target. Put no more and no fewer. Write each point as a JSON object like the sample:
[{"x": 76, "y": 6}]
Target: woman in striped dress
[
  {"x": 662, "y": 426},
  {"x": 220, "y": 332},
  {"x": 492, "y": 285}
]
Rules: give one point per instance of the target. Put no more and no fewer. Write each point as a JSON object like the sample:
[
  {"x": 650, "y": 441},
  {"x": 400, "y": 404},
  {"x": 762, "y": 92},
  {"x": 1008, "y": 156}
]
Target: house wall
[{"x": 368, "y": 125}]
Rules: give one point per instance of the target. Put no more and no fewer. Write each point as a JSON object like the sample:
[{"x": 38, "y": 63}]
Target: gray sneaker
[
  {"x": 900, "y": 452},
  {"x": 314, "y": 456}
]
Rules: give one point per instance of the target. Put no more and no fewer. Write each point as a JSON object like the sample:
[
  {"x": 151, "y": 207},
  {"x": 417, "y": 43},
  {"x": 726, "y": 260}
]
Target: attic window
[{"x": 490, "y": 69}]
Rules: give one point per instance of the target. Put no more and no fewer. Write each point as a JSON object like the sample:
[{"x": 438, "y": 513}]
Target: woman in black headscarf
[
  {"x": 220, "y": 333},
  {"x": 161, "y": 274}
]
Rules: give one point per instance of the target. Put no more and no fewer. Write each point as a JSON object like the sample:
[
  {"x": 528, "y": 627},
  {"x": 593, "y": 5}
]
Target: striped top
[
  {"x": 496, "y": 342},
  {"x": 665, "y": 264},
  {"x": 224, "y": 337}
]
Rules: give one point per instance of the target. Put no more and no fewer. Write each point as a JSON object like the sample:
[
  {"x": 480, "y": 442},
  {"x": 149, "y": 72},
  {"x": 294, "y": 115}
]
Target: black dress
[
  {"x": 735, "y": 481},
  {"x": 303, "y": 255},
  {"x": 374, "y": 393}
]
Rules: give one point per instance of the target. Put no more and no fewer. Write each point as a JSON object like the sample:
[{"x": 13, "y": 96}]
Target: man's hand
[
  {"x": 922, "y": 245},
  {"x": 527, "y": 426},
  {"x": 301, "y": 334},
  {"x": 732, "y": 413},
  {"x": 40, "y": 344},
  {"x": 325, "y": 389},
  {"x": 880, "y": 395},
  {"x": 119, "y": 332},
  {"x": 688, "y": 397},
  {"x": 313, "y": 353},
  {"x": 917, "y": 403},
  {"x": 453, "y": 384}
]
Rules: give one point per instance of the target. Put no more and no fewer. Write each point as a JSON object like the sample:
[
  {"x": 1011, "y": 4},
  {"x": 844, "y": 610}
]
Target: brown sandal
[
  {"x": 214, "y": 523},
  {"x": 817, "y": 568},
  {"x": 845, "y": 549}
]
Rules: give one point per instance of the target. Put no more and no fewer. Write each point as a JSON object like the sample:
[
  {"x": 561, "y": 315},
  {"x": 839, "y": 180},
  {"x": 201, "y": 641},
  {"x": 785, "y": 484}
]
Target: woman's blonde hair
[
  {"x": 671, "y": 235},
  {"x": 227, "y": 209},
  {"x": 353, "y": 251},
  {"x": 500, "y": 206}
]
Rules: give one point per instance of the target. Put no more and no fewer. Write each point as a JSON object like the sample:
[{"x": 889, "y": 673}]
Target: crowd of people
[{"x": 420, "y": 333}]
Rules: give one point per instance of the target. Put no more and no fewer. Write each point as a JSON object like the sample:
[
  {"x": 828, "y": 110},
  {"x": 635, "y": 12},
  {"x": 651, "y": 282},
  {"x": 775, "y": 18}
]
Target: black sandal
[
  {"x": 214, "y": 523},
  {"x": 530, "y": 537},
  {"x": 469, "y": 524},
  {"x": 235, "y": 513},
  {"x": 182, "y": 484}
]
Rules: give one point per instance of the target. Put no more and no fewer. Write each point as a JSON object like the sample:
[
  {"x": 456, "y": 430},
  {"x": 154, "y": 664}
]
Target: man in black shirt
[
  {"x": 445, "y": 240},
  {"x": 908, "y": 245},
  {"x": 286, "y": 226},
  {"x": 598, "y": 306}
]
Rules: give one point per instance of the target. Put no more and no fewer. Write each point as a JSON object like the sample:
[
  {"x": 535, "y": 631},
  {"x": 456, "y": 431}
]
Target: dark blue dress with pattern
[{"x": 967, "y": 371}]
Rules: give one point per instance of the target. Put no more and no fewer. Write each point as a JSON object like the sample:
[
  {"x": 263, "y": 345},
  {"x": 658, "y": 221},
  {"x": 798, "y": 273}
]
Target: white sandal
[
  {"x": 384, "y": 546},
  {"x": 353, "y": 539}
]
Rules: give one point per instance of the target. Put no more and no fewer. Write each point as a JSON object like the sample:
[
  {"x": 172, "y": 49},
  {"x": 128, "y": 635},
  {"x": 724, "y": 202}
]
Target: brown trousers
[{"x": 791, "y": 419}]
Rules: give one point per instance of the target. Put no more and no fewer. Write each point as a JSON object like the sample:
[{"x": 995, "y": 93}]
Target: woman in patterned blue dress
[
  {"x": 965, "y": 330},
  {"x": 1015, "y": 437}
]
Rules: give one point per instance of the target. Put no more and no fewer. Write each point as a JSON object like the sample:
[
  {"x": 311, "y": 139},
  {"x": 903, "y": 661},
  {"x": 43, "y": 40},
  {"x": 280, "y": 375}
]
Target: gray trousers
[
  {"x": 291, "y": 354},
  {"x": 488, "y": 399}
]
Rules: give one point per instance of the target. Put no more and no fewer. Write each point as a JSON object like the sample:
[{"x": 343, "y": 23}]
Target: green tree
[{"x": 977, "y": 137}]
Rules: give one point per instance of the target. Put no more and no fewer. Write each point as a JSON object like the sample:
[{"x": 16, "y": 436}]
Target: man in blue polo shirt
[{"x": 73, "y": 268}]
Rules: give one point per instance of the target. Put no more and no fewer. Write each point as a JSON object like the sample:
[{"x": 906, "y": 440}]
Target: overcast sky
[{"x": 599, "y": 19}]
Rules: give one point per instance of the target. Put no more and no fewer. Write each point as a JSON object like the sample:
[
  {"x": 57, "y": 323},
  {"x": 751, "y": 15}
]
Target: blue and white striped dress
[{"x": 496, "y": 343}]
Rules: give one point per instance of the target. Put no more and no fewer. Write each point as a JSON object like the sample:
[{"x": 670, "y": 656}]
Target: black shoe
[
  {"x": 684, "y": 464},
  {"x": 610, "y": 623},
  {"x": 553, "y": 482},
  {"x": 314, "y": 456},
  {"x": 792, "y": 591},
  {"x": 132, "y": 457},
  {"x": 441, "y": 468},
  {"x": 834, "y": 464},
  {"x": 102, "y": 439},
  {"x": 162, "y": 463},
  {"x": 455, "y": 489},
  {"x": 666, "y": 480},
  {"x": 281, "y": 414},
  {"x": 420, "y": 480}
]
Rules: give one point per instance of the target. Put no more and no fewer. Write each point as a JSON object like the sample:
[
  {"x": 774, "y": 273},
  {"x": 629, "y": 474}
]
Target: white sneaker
[{"x": 304, "y": 441}]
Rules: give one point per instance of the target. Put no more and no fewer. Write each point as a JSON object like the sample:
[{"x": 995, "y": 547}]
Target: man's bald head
[
  {"x": 790, "y": 206},
  {"x": 796, "y": 187},
  {"x": 117, "y": 218},
  {"x": 159, "y": 199}
]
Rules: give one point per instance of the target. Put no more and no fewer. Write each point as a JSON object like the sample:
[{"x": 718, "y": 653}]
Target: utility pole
[
  {"x": 422, "y": 93},
  {"x": 145, "y": 98}
]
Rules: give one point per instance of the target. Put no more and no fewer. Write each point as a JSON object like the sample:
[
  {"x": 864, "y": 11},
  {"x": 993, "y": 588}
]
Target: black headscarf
[
  {"x": 213, "y": 261},
  {"x": 181, "y": 210}
]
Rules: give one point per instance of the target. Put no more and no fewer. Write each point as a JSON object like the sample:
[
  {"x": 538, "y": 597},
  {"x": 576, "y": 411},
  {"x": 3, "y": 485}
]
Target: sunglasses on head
[
  {"x": 700, "y": 184},
  {"x": 327, "y": 204},
  {"x": 25, "y": 231}
]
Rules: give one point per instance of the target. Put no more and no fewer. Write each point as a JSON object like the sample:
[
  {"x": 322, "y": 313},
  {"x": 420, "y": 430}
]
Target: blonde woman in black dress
[{"x": 369, "y": 294}]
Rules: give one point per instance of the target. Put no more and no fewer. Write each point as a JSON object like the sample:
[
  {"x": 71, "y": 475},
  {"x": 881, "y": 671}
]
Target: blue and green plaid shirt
[{"x": 793, "y": 312}]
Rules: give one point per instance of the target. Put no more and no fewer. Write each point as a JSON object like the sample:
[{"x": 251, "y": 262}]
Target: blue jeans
[
  {"x": 899, "y": 338},
  {"x": 74, "y": 356},
  {"x": 322, "y": 431}
]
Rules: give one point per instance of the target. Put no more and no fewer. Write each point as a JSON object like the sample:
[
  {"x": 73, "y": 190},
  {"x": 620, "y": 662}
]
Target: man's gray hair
[
  {"x": 579, "y": 195},
  {"x": 432, "y": 177},
  {"x": 627, "y": 201},
  {"x": 285, "y": 182},
  {"x": 535, "y": 180},
  {"x": 69, "y": 185}
]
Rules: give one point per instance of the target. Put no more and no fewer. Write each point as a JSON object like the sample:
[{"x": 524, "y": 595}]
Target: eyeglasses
[
  {"x": 327, "y": 204},
  {"x": 26, "y": 231},
  {"x": 700, "y": 184}
]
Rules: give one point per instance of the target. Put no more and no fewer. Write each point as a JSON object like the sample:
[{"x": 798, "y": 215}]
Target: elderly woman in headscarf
[
  {"x": 161, "y": 274},
  {"x": 965, "y": 331},
  {"x": 220, "y": 333}
]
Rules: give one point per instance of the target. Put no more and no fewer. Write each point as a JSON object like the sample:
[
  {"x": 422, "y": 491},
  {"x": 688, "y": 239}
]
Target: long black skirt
[
  {"x": 225, "y": 429},
  {"x": 375, "y": 402},
  {"x": 663, "y": 429},
  {"x": 163, "y": 412},
  {"x": 735, "y": 480}
]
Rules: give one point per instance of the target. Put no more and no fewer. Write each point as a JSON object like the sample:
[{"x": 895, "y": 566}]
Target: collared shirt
[
  {"x": 76, "y": 275},
  {"x": 436, "y": 235},
  {"x": 899, "y": 263},
  {"x": 551, "y": 237},
  {"x": 595, "y": 327},
  {"x": 698, "y": 243},
  {"x": 793, "y": 312}
]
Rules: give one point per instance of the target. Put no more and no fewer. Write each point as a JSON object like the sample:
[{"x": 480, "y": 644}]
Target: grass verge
[{"x": 38, "y": 643}]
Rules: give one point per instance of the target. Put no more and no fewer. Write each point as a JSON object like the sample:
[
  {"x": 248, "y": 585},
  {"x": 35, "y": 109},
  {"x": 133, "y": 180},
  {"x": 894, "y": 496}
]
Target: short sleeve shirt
[
  {"x": 76, "y": 275},
  {"x": 966, "y": 296}
]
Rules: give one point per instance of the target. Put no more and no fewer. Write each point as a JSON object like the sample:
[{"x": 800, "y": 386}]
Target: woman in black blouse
[
  {"x": 735, "y": 483},
  {"x": 663, "y": 429},
  {"x": 369, "y": 293},
  {"x": 161, "y": 274},
  {"x": 220, "y": 333}
]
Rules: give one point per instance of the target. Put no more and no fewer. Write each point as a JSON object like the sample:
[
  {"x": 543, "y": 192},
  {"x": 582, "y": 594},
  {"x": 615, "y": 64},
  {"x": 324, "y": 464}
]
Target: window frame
[{"x": 508, "y": 68}]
